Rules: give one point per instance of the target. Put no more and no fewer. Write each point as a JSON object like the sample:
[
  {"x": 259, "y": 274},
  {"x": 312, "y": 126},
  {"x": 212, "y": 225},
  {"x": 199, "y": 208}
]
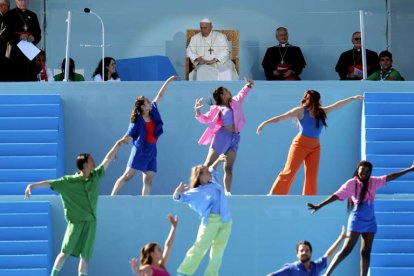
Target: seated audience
[
  {"x": 210, "y": 54},
  {"x": 110, "y": 70},
  {"x": 73, "y": 76},
  {"x": 42, "y": 72},
  {"x": 349, "y": 65},
  {"x": 386, "y": 72},
  {"x": 284, "y": 61}
]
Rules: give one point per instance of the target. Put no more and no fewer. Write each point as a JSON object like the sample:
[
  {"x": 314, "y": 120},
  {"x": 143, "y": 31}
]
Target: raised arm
[
  {"x": 163, "y": 88},
  {"x": 41, "y": 184},
  {"x": 138, "y": 270},
  {"x": 393, "y": 176},
  {"x": 327, "y": 201},
  {"x": 221, "y": 158},
  {"x": 170, "y": 240},
  {"x": 181, "y": 188},
  {"x": 199, "y": 103},
  {"x": 244, "y": 91},
  {"x": 111, "y": 155},
  {"x": 341, "y": 103},
  {"x": 331, "y": 250},
  {"x": 293, "y": 113}
]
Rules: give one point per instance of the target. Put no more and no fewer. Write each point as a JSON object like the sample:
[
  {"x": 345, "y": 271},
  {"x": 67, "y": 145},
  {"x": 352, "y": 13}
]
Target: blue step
[
  {"x": 393, "y": 246},
  {"x": 30, "y": 98},
  {"x": 387, "y": 271},
  {"x": 389, "y": 121},
  {"x": 24, "y": 233},
  {"x": 390, "y": 97},
  {"x": 23, "y": 261},
  {"x": 397, "y": 187},
  {"x": 25, "y": 207},
  {"x": 389, "y": 108},
  {"x": 29, "y": 136},
  {"x": 392, "y": 260},
  {"x": 28, "y": 149},
  {"x": 24, "y": 272},
  {"x": 18, "y": 188},
  {"x": 395, "y": 232},
  {"x": 24, "y": 247},
  {"x": 390, "y": 147},
  {"x": 394, "y": 205},
  {"x": 389, "y": 134},
  {"x": 29, "y": 175},
  {"x": 395, "y": 218},
  {"x": 35, "y": 123},
  {"x": 24, "y": 219},
  {"x": 29, "y": 110},
  {"x": 391, "y": 160},
  {"x": 28, "y": 162}
]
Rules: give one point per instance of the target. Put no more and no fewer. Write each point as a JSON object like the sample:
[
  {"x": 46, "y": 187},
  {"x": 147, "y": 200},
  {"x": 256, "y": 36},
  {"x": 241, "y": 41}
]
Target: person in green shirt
[
  {"x": 73, "y": 76},
  {"x": 79, "y": 194},
  {"x": 386, "y": 72}
]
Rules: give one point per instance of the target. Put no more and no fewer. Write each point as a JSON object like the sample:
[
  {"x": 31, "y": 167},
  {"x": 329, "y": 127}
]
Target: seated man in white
[{"x": 210, "y": 53}]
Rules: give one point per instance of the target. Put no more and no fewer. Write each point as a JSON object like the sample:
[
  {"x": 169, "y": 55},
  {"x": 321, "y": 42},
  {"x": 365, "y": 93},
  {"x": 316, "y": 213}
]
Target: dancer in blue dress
[
  {"x": 144, "y": 129},
  {"x": 360, "y": 190}
]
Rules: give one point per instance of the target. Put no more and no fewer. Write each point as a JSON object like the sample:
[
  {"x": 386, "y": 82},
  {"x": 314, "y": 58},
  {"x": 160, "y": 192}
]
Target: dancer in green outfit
[{"x": 79, "y": 194}]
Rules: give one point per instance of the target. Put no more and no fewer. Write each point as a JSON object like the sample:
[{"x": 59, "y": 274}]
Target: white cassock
[{"x": 215, "y": 45}]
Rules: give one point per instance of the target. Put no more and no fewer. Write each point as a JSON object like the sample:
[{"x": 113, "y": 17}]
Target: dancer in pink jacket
[{"x": 226, "y": 120}]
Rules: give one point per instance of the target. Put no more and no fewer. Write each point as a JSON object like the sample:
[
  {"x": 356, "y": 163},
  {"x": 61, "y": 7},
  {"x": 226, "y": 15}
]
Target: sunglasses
[{"x": 357, "y": 38}]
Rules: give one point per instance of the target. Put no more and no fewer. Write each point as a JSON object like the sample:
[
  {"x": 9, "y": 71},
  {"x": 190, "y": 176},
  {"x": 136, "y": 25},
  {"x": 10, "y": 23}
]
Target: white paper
[{"x": 28, "y": 49}]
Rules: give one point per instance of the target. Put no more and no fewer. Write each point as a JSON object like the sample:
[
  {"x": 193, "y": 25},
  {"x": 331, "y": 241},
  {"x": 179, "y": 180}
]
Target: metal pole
[
  {"x": 364, "y": 58},
  {"x": 67, "y": 54}
]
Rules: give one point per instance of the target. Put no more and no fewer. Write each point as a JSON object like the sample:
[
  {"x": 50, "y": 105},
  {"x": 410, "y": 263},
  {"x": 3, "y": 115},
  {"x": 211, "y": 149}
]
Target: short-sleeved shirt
[
  {"x": 79, "y": 195},
  {"x": 298, "y": 269},
  {"x": 352, "y": 188}
]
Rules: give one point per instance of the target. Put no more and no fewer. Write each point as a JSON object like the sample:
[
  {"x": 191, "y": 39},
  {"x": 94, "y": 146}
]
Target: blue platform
[{"x": 152, "y": 68}]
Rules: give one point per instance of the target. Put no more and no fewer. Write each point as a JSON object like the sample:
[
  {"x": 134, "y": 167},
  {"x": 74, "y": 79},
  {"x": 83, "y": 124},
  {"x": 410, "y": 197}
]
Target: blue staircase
[
  {"x": 25, "y": 238},
  {"x": 389, "y": 145},
  {"x": 31, "y": 141}
]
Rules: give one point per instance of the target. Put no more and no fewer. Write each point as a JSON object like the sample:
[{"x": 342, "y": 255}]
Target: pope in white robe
[{"x": 210, "y": 53}]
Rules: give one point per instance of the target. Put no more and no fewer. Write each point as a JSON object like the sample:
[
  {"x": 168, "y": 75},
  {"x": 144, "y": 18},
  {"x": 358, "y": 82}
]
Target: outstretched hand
[
  {"x": 358, "y": 97},
  {"x": 249, "y": 81},
  {"x": 199, "y": 103},
  {"x": 134, "y": 263},
  {"x": 28, "y": 192},
  {"x": 260, "y": 128},
  {"x": 172, "y": 219},
  {"x": 181, "y": 188},
  {"x": 312, "y": 207}
]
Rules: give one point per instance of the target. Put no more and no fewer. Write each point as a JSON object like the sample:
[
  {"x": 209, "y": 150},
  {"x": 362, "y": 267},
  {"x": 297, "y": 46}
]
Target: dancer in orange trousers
[{"x": 305, "y": 146}]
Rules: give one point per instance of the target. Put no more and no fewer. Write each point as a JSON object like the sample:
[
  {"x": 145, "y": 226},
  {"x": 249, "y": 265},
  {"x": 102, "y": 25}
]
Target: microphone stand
[{"x": 87, "y": 10}]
